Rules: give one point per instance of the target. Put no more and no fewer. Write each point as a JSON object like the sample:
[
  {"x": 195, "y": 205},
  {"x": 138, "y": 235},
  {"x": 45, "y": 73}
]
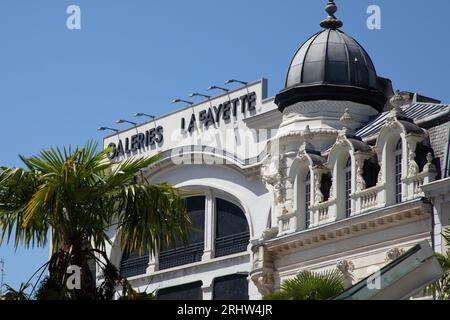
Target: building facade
[{"x": 335, "y": 172}]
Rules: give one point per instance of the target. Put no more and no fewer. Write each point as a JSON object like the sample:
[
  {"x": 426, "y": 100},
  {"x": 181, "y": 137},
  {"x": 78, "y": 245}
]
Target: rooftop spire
[{"x": 331, "y": 22}]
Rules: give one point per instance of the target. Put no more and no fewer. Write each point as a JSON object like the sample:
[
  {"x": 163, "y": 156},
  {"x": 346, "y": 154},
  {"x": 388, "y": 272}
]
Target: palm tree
[
  {"x": 310, "y": 286},
  {"x": 440, "y": 290},
  {"x": 71, "y": 197}
]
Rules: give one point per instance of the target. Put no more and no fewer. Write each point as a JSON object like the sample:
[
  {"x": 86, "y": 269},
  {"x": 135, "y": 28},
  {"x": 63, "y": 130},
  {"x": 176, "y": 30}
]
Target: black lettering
[
  {"x": 243, "y": 99},
  {"x": 120, "y": 151},
  {"x": 151, "y": 137},
  {"x": 252, "y": 101},
  {"x": 160, "y": 134},
  {"x": 226, "y": 112},
  {"x": 147, "y": 138},
  {"x": 141, "y": 141},
  {"x": 218, "y": 110},
  {"x": 134, "y": 143},
  {"x": 112, "y": 153},
  {"x": 209, "y": 118},
  {"x": 192, "y": 124},
  {"x": 202, "y": 117},
  {"x": 127, "y": 145},
  {"x": 235, "y": 103}
]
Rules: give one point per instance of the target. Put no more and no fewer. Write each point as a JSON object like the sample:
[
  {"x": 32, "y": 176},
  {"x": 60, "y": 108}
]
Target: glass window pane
[{"x": 234, "y": 287}]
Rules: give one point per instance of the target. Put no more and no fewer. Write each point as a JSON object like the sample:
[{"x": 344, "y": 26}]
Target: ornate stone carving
[
  {"x": 429, "y": 167},
  {"x": 307, "y": 134},
  {"x": 264, "y": 281},
  {"x": 360, "y": 182},
  {"x": 318, "y": 198},
  {"x": 268, "y": 234},
  {"x": 413, "y": 168},
  {"x": 272, "y": 174},
  {"x": 394, "y": 254},
  {"x": 340, "y": 140},
  {"x": 345, "y": 266},
  {"x": 347, "y": 121},
  {"x": 397, "y": 102},
  {"x": 380, "y": 174},
  {"x": 333, "y": 192},
  {"x": 391, "y": 122},
  {"x": 262, "y": 272}
]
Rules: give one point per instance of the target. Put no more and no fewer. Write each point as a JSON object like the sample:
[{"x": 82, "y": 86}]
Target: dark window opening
[
  {"x": 232, "y": 231},
  {"x": 233, "y": 287},
  {"x": 307, "y": 184},
  {"x": 348, "y": 187},
  {"x": 325, "y": 186},
  {"x": 191, "y": 291},
  {"x": 133, "y": 264},
  {"x": 421, "y": 155},
  {"x": 371, "y": 170},
  {"x": 398, "y": 172},
  {"x": 181, "y": 253}
]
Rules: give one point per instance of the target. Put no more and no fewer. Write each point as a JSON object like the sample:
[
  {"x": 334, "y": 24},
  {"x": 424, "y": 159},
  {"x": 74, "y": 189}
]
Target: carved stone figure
[{"x": 394, "y": 254}]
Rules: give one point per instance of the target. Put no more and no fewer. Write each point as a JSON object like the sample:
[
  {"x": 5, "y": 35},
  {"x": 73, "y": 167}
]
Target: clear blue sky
[{"x": 57, "y": 86}]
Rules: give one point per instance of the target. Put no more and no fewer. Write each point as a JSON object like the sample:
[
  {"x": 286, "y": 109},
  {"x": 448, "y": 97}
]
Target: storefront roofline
[{"x": 264, "y": 82}]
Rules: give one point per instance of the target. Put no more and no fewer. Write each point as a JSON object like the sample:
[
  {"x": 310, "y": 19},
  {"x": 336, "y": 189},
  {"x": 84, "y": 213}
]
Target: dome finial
[{"x": 331, "y": 22}]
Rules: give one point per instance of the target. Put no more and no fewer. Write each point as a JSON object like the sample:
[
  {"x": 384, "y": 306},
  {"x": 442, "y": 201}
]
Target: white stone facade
[{"x": 268, "y": 183}]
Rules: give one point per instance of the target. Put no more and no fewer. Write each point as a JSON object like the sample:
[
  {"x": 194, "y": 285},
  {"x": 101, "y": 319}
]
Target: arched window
[
  {"x": 348, "y": 187},
  {"x": 181, "y": 253},
  {"x": 398, "y": 172},
  {"x": 232, "y": 231},
  {"x": 307, "y": 184},
  {"x": 133, "y": 264}
]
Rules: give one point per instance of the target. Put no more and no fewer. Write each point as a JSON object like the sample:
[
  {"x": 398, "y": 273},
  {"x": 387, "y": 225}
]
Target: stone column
[
  {"x": 210, "y": 223},
  {"x": 207, "y": 290},
  {"x": 153, "y": 262}
]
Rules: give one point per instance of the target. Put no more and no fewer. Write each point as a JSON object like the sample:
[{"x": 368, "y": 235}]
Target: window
[
  {"x": 371, "y": 170},
  {"x": 234, "y": 287},
  {"x": 133, "y": 264},
  {"x": 348, "y": 187},
  {"x": 232, "y": 232},
  {"x": 191, "y": 291},
  {"x": 325, "y": 186},
  {"x": 398, "y": 172},
  {"x": 307, "y": 184},
  {"x": 181, "y": 254}
]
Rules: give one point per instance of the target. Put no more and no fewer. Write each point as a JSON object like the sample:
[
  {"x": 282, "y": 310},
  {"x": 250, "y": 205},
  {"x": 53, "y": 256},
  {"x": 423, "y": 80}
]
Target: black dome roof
[
  {"x": 332, "y": 65},
  {"x": 331, "y": 56}
]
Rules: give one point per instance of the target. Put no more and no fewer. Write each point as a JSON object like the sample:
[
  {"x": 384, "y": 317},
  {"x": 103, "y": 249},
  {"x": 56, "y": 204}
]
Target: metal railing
[
  {"x": 232, "y": 244},
  {"x": 134, "y": 266},
  {"x": 180, "y": 256}
]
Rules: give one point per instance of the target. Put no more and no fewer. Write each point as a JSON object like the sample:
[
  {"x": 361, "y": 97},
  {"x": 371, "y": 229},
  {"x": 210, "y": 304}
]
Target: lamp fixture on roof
[
  {"x": 107, "y": 128},
  {"x": 236, "y": 81},
  {"x": 217, "y": 88},
  {"x": 126, "y": 121},
  {"x": 196, "y": 94},
  {"x": 141, "y": 114},
  {"x": 181, "y": 100}
]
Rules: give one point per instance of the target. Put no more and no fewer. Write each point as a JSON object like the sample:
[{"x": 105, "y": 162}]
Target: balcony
[
  {"x": 368, "y": 199},
  {"x": 323, "y": 213},
  {"x": 232, "y": 244},
  {"x": 180, "y": 256},
  {"x": 134, "y": 266}
]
